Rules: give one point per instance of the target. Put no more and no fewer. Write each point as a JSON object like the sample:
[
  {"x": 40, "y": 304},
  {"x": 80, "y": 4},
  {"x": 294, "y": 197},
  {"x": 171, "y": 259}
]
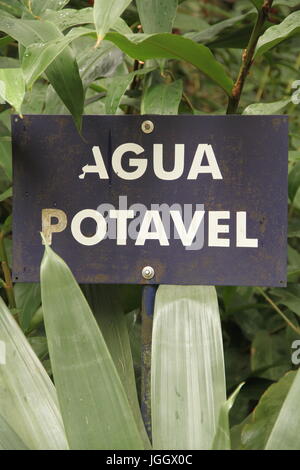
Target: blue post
[{"x": 148, "y": 299}]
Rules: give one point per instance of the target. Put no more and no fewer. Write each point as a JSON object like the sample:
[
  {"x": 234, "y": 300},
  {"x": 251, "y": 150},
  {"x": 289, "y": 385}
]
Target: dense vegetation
[{"x": 156, "y": 57}]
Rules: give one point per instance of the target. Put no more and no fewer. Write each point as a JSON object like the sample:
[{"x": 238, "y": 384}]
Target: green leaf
[
  {"x": 225, "y": 29},
  {"x": 118, "y": 86},
  {"x": 294, "y": 181},
  {"x": 106, "y": 13},
  {"x": 278, "y": 33},
  {"x": 9, "y": 63},
  {"x": 257, "y": 431},
  {"x": 187, "y": 376},
  {"x": 137, "y": 46},
  {"x": 38, "y": 7},
  {"x": 222, "y": 439},
  {"x": 189, "y": 22},
  {"x": 9, "y": 440},
  {"x": 28, "y": 299},
  {"x": 257, "y": 3},
  {"x": 287, "y": 3},
  {"x": 4, "y": 41},
  {"x": 110, "y": 317},
  {"x": 172, "y": 46},
  {"x": 290, "y": 297},
  {"x": 62, "y": 72},
  {"x": 157, "y": 16},
  {"x": 11, "y": 6},
  {"x": 6, "y": 194},
  {"x": 40, "y": 56},
  {"x": 270, "y": 357},
  {"x": 93, "y": 402},
  {"x": 12, "y": 87},
  {"x": 99, "y": 62},
  {"x": 6, "y": 227},
  {"x": 285, "y": 433},
  {"x": 27, "y": 396},
  {"x": 266, "y": 108},
  {"x": 162, "y": 98},
  {"x": 68, "y": 18}
]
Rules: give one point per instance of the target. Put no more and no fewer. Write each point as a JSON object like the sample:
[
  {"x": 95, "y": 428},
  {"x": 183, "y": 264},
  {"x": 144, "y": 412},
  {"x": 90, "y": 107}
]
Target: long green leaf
[
  {"x": 28, "y": 399},
  {"x": 278, "y": 33},
  {"x": 266, "y": 108},
  {"x": 9, "y": 440},
  {"x": 14, "y": 7},
  {"x": 106, "y": 13},
  {"x": 137, "y": 46},
  {"x": 94, "y": 404},
  {"x": 6, "y": 194},
  {"x": 12, "y": 87},
  {"x": 62, "y": 71},
  {"x": 68, "y": 18},
  {"x": 28, "y": 299},
  {"x": 162, "y": 98},
  {"x": 118, "y": 86},
  {"x": 222, "y": 29},
  {"x": 222, "y": 440},
  {"x": 172, "y": 46},
  {"x": 157, "y": 16},
  {"x": 111, "y": 319},
  {"x": 285, "y": 434},
  {"x": 188, "y": 378},
  {"x": 257, "y": 430},
  {"x": 38, "y": 7}
]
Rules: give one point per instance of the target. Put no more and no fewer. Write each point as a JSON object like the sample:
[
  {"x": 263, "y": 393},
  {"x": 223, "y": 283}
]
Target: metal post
[{"x": 148, "y": 299}]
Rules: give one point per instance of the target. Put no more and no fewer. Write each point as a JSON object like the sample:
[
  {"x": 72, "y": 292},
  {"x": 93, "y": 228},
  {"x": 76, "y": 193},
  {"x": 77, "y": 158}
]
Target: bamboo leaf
[
  {"x": 28, "y": 299},
  {"x": 113, "y": 325},
  {"x": 157, "y": 16},
  {"x": 94, "y": 405},
  {"x": 278, "y": 33},
  {"x": 256, "y": 432},
  {"x": 118, "y": 87},
  {"x": 9, "y": 440},
  {"x": 13, "y": 7},
  {"x": 163, "y": 98},
  {"x": 266, "y": 108},
  {"x": 12, "y": 87},
  {"x": 188, "y": 379},
  {"x": 285, "y": 433},
  {"x": 37, "y": 7},
  {"x": 137, "y": 46},
  {"x": 69, "y": 17},
  {"x": 62, "y": 71},
  {"x": 106, "y": 13},
  {"x": 28, "y": 399},
  {"x": 6, "y": 194},
  {"x": 222, "y": 439}
]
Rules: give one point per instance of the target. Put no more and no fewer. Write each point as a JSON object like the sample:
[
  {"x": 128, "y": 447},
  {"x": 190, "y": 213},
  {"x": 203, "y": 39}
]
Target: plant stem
[
  {"x": 280, "y": 312},
  {"x": 8, "y": 285},
  {"x": 247, "y": 59}
]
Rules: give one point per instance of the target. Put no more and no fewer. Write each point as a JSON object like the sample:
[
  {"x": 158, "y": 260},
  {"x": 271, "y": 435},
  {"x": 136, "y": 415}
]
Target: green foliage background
[{"x": 132, "y": 75}]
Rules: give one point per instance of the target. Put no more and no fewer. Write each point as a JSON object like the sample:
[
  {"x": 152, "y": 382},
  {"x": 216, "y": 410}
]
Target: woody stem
[{"x": 247, "y": 60}]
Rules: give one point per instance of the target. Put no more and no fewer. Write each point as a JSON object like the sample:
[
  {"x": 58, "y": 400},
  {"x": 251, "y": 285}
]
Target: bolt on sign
[{"x": 153, "y": 199}]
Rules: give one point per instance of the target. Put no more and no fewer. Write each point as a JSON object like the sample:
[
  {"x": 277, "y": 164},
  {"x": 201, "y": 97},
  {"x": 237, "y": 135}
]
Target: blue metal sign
[{"x": 153, "y": 199}]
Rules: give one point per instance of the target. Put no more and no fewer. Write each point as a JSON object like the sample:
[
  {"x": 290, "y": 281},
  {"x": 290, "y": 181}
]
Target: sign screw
[
  {"x": 148, "y": 272},
  {"x": 147, "y": 127}
]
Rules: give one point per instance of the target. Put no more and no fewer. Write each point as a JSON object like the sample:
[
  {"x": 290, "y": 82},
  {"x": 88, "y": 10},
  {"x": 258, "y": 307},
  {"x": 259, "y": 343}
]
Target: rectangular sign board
[{"x": 193, "y": 199}]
